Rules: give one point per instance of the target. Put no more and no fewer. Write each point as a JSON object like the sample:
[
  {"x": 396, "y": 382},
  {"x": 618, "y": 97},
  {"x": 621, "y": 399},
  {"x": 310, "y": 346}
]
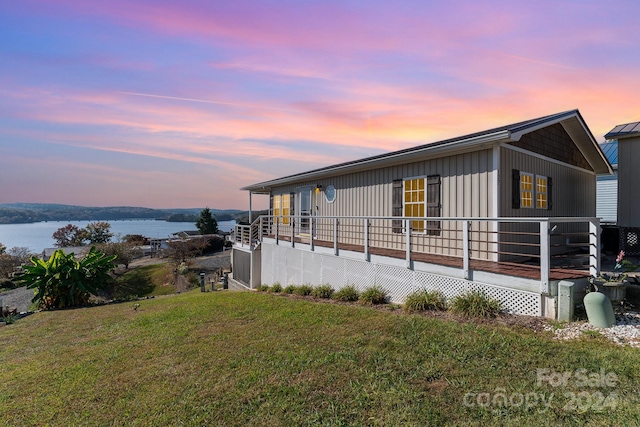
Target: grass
[
  {"x": 236, "y": 359},
  {"x": 423, "y": 300},
  {"x": 149, "y": 280},
  {"x": 476, "y": 304}
]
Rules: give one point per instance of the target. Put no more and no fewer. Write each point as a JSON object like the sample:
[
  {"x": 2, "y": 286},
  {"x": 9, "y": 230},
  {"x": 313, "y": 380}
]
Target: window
[
  {"x": 419, "y": 198},
  {"x": 526, "y": 190},
  {"x": 531, "y": 191},
  {"x": 286, "y": 208},
  {"x": 282, "y": 208},
  {"x": 541, "y": 192},
  {"x": 414, "y": 202},
  {"x": 277, "y": 208}
]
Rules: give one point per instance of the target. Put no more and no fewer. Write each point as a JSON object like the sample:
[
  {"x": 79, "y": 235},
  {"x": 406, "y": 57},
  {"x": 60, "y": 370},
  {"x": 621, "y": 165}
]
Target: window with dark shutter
[
  {"x": 515, "y": 189},
  {"x": 433, "y": 204},
  {"x": 396, "y": 205},
  {"x": 549, "y": 193}
]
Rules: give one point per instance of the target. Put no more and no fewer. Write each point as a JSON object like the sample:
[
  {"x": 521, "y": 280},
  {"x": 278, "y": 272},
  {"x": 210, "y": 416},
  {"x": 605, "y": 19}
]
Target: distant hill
[{"x": 20, "y": 213}]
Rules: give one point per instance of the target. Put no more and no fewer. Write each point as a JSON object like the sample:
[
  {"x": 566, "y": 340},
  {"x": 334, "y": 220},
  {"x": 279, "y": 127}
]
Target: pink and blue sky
[{"x": 173, "y": 104}]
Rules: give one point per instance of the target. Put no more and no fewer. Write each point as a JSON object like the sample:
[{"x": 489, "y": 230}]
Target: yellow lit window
[
  {"x": 541, "y": 192},
  {"x": 277, "y": 208},
  {"x": 414, "y": 202},
  {"x": 526, "y": 190},
  {"x": 286, "y": 208}
]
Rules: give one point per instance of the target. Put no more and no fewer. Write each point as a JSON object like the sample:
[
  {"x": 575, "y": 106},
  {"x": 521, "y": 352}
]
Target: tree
[
  {"x": 183, "y": 249},
  {"x": 3, "y": 248},
  {"x": 124, "y": 252},
  {"x": 62, "y": 281},
  {"x": 70, "y": 235},
  {"x": 98, "y": 232},
  {"x": 206, "y": 223},
  {"x": 135, "y": 239}
]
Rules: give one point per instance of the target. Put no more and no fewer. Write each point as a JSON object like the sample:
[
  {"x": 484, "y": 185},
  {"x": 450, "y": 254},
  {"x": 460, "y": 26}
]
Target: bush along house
[{"x": 509, "y": 211}]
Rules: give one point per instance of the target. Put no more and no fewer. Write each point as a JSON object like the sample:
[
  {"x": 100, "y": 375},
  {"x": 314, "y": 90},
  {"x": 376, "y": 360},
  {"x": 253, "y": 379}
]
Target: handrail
[{"x": 478, "y": 238}]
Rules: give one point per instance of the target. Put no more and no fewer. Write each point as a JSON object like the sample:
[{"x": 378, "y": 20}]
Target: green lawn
[{"x": 225, "y": 358}]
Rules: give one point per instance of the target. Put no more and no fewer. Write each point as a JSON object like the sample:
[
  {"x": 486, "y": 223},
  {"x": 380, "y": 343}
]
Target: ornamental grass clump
[
  {"x": 263, "y": 288},
  {"x": 303, "y": 290},
  {"x": 423, "y": 300},
  {"x": 322, "y": 291},
  {"x": 476, "y": 304},
  {"x": 289, "y": 289},
  {"x": 275, "y": 288},
  {"x": 347, "y": 294},
  {"x": 374, "y": 295}
]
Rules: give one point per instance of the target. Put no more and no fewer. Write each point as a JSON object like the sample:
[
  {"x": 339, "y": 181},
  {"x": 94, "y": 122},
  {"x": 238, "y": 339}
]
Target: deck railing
[{"x": 544, "y": 243}]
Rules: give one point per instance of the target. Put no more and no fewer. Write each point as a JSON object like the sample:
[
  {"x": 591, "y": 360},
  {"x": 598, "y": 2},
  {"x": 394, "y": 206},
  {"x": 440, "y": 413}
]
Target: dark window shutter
[
  {"x": 433, "y": 204},
  {"x": 549, "y": 193},
  {"x": 292, "y": 206},
  {"x": 515, "y": 189},
  {"x": 396, "y": 205},
  {"x": 271, "y": 204}
]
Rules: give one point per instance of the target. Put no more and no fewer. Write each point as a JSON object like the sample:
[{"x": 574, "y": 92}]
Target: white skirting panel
[{"x": 290, "y": 266}]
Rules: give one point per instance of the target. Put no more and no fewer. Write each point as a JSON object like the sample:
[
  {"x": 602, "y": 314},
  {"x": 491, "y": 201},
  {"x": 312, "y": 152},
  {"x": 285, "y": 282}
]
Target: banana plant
[{"x": 63, "y": 281}]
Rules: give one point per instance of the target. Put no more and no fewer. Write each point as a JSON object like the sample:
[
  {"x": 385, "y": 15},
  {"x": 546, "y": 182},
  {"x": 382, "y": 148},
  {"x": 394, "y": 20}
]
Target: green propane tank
[{"x": 599, "y": 310}]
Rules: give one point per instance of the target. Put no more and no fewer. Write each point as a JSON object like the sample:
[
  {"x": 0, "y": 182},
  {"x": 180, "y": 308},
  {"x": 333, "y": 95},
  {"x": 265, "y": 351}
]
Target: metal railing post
[
  {"x": 594, "y": 247},
  {"x": 311, "y": 232},
  {"x": 277, "y": 232},
  {"x": 545, "y": 254},
  {"x": 407, "y": 226},
  {"x": 466, "y": 225},
  {"x": 335, "y": 236},
  {"x": 366, "y": 239},
  {"x": 293, "y": 233}
]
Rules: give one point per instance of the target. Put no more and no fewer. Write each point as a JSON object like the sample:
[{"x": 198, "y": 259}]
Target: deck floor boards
[{"x": 505, "y": 268}]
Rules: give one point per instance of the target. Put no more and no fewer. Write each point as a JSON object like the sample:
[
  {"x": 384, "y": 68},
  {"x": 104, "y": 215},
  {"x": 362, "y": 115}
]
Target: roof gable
[{"x": 571, "y": 121}]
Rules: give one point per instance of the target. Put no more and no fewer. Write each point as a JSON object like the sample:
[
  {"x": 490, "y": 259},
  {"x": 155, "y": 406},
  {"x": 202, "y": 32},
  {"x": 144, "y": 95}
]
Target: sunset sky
[{"x": 176, "y": 104}]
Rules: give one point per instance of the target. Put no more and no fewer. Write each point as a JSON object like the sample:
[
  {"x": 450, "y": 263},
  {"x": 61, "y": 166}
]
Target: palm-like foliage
[{"x": 64, "y": 281}]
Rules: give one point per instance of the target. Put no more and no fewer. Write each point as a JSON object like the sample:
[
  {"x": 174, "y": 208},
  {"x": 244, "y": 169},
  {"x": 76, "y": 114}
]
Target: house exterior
[
  {"x": 627, "y": 138},
  {"x": 450, "y": 215},
  {"x": 607, "y": 186}
]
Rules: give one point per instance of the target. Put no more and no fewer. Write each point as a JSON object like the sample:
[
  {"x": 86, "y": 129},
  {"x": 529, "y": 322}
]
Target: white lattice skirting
[{"x": 290, "y": 266}]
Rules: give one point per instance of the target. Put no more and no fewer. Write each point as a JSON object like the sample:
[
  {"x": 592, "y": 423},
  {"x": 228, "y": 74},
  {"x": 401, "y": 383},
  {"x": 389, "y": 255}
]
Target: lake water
[{"x": 37, "y": 236}]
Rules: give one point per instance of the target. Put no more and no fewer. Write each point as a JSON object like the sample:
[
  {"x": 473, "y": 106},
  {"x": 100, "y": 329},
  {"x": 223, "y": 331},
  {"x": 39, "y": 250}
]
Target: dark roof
[
  {"x": 512, "y": 131},
  {"x": 610, "y": 149},
  {"x": 622, "y": 131}
]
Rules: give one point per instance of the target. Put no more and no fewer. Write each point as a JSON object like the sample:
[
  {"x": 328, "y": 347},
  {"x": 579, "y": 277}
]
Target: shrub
[
  {"x": 423, "y": 300},
  {"x": 275, "y": 288},
  {"x": 289, "y": 289},
  {"x": 476, "y": 304},
  {"x": 303, "y": 290},
  {"x": 263, "y": 288},
  {"x": 374, "y": 295},
  {"x": 322, "y": 291},
  {"x": 348, "y": 293}
]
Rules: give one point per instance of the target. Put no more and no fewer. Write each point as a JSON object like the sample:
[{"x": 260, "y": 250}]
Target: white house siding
[
  {"x": 607, "y": 198},
  {"x": 466, "y": 181}
]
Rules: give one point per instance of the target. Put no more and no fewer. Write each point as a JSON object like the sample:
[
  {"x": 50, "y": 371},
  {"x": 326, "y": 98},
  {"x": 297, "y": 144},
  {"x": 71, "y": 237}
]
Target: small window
[
  {"x": 414, "y": 197},
  {"x": 286, "y": 208},
  {"x": 277, "y": 200},
  {"x": 541, "y": 192},
  {"x": 526, "y": 190}
]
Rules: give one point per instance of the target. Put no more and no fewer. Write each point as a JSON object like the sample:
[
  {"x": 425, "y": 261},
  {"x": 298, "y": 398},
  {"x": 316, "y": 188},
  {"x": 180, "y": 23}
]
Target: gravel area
[
  {"x": 626, "y": 331},
  {"x": 19, "y": 298}
]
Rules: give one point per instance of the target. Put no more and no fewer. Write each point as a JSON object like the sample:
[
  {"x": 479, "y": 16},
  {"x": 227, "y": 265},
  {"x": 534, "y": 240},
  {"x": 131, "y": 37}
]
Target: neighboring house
[
  {"x": 628, "y": 203},
  {"x": 607, "y": 186},
  {"x": 506, "y": 211},
  {"x": 78, "y": 251}
]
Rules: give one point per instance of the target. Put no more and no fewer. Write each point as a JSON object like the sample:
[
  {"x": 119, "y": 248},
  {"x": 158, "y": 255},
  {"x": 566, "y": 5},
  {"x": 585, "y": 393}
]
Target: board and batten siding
[
  {"x": 466, "y": 182},
  {"x": 628, "y": 200},
  {"x": 573, "y": 194}
]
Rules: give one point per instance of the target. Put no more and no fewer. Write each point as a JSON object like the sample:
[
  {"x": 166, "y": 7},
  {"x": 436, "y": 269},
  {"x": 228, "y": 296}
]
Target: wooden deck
[{"x": 505, "y": 268}]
